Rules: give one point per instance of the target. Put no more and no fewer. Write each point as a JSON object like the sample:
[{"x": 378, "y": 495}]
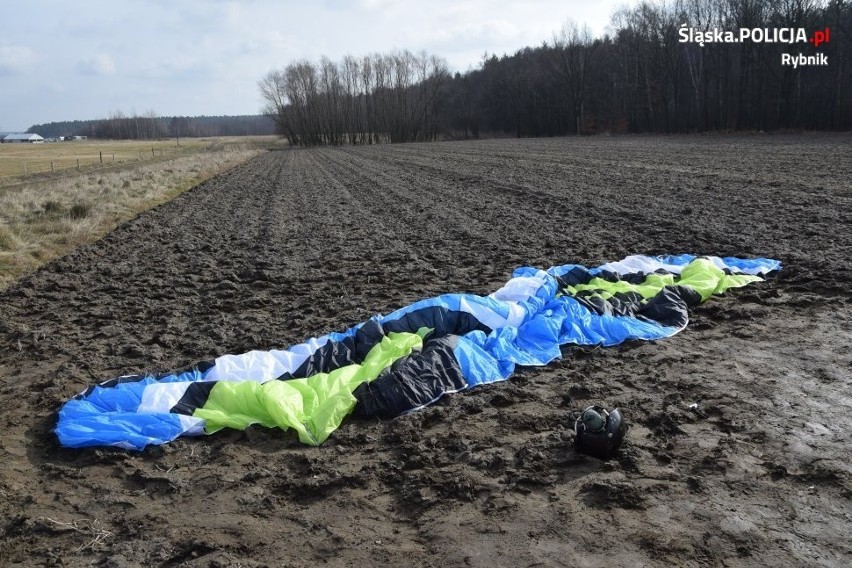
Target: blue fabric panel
[
  {"x": 185, "y": 377},
  {"x": 505, "y": 345},
  {"x": 525, "y": 271},
  {"x": 549, "y": 289},
  {"x": 108, "y": 417},
  {"x": 761, "y": 265},
  {"x": 748, "y": 265},
  {"x": 535, "y": 342},
  {"x": 677, "y": 259},
  {"x": 82, "y": 424},
  {"x": 337, "y": 337},
  {"x": 451, "y": 302},
  {"x": 478, "y": 366},
  {"x": 582, "y": 327},
  {"x": 557, "y": 271},
  {"x": 123, "y": 398}
]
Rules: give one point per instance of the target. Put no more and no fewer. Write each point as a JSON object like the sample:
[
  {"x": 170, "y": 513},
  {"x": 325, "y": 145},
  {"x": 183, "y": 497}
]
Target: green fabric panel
[
  {"x": 649, "y": 288},
  {"x": 707, "y": 279},
  {"x": 701, "y": 275},
  {"x": 314, "y": 406},
  {"x": 234, "y": 405}
]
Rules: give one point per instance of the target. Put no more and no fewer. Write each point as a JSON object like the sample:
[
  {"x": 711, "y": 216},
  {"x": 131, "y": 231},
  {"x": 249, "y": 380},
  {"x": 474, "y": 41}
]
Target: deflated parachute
[{"x": 403, "y": 361}]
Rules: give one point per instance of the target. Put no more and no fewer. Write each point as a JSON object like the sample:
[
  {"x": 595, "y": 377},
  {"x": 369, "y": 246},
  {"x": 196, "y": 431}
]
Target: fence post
[
  {"x": 152, "y": 152},
  {"x": 52, "y": 168},
  {"x": 113, "y": 157},
  {"x": 78, "y": 164},
  {"x": 101, "y": 152}
]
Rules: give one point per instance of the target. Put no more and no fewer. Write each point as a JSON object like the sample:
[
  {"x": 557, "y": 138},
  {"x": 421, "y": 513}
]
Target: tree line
[
  {"x": 389, "y": 97},
  {"x": 149, "y": 126},
  {"x": 639, "y": 77}
]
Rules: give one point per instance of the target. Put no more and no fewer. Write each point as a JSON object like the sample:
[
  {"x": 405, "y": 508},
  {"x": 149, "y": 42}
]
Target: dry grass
[
  {"x": 19, "y": 162},
  {"x": 43, "y": 219},
  {"x": 93, "y": 533}
]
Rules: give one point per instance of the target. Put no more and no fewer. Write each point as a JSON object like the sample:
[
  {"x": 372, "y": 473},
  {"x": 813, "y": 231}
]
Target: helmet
[{"x": 599, "y": 433}]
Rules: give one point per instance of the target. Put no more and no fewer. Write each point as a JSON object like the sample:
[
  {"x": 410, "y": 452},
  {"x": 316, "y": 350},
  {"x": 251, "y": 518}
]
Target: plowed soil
[{"x": 301, "y": 242}]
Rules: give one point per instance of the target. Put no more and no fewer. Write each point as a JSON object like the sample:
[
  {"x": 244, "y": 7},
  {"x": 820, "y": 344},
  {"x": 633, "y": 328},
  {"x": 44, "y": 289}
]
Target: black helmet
[{"x": 599, "y": 433}]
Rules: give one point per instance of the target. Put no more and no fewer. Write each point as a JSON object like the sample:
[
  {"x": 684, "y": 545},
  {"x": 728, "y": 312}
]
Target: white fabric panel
[
  {"x": 161, "y": 397},
  {"x": 486, "y": 315},
  {"x": 192, "y": 426},
  {"x": 517, "y": 315},
  {"x": 519, "y": 289},
  {"x": 262, "y": 366},
  {"x": 648, "y": 264},
  {"x": 640, "y": 263},
  {"x": 719, "y": 263}
]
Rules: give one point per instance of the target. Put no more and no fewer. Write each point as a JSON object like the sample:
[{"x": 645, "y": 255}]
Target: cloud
[
  {"x": 96, "y": 65},
  {"x": 358, "y": 5},
  {"x": 485, "y": 33},
  {"x": 15, "y": 58},
  {"x": 205, "y": 56}
]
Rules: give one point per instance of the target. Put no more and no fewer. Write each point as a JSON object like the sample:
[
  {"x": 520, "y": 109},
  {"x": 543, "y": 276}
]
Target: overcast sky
[{"x": 81, "y": 59}]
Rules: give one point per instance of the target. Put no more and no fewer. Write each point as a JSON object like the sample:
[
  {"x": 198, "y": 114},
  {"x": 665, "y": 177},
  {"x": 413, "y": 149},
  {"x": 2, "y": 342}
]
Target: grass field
[
  {"x": 21, "y": 161},
  {"x": 43, "y": 216}
]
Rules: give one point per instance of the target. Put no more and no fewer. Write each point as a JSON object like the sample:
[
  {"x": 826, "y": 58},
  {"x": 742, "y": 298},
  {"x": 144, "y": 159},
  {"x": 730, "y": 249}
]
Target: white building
[{"x": 23, "y": 138}]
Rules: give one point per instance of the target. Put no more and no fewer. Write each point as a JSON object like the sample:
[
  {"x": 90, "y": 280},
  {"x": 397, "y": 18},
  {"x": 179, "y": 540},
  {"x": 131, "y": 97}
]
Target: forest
[
  {"x": 149, "y": 126},
  {"x": 639, "y": 77}
]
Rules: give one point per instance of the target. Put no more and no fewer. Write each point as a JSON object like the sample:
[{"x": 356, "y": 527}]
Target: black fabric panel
[
  {"x": 632, "y": 277},
  {"x": 194, "y": 397},
  {"x": 687, "y": 294},
  {"x": 609, "y": 276},
  {"x": 575, "y": 276},
  {"x": 354, "y": 349},
  {"x": 368, "y": 336},
  {"x": 336, "y": 354},
  {"x": 205, "y": 366},
  {"x": 442, "y": 320},
  {"x": 332, "y": 355},
  {"x": 593, "y": 303},
  {"x": 412, "y": 381},
  {"x": 619, "y": 304},
  {"x": 669, "y": 306},
  {"x": 626, "y": 303}
]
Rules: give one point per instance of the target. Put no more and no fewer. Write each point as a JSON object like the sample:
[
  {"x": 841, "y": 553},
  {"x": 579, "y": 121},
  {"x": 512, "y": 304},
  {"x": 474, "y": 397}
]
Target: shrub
[
  {"x": 51, "y": 206},
  {"x": 79, "y": 210},
  {"x": 6, "y": 239}
]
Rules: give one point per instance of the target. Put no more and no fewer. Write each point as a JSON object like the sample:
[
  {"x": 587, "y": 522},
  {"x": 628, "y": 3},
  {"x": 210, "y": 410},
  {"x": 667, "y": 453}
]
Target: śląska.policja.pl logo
[{"x": 764, "y": 35}]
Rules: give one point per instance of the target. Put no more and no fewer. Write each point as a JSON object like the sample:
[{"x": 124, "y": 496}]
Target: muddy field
[{"x": 297, "y": 243}]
